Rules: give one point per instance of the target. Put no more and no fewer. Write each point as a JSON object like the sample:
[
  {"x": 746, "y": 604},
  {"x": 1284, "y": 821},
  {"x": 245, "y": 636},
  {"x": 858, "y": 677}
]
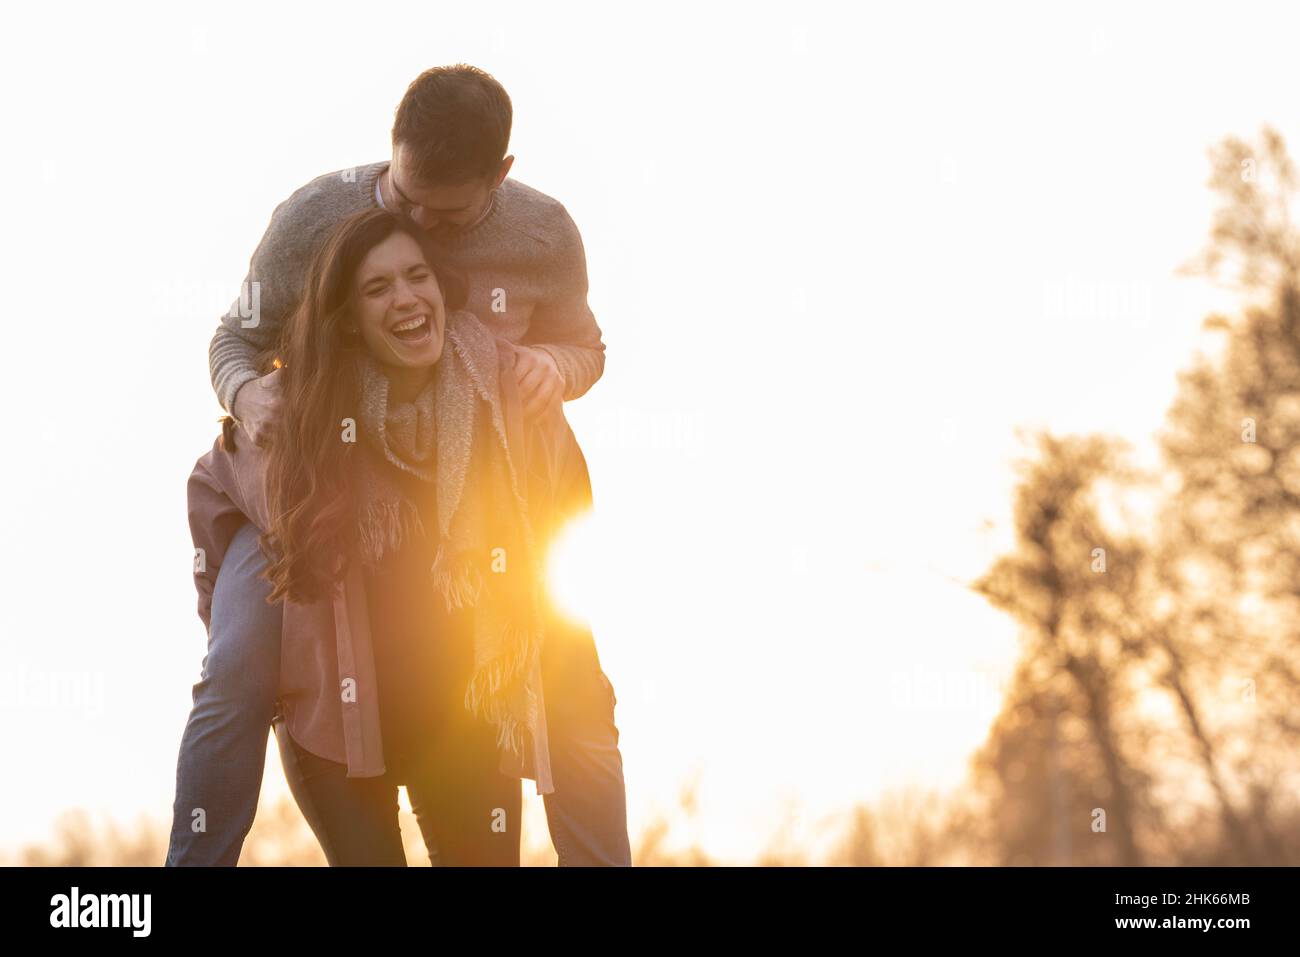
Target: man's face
[{"x": 439, "y": 210}]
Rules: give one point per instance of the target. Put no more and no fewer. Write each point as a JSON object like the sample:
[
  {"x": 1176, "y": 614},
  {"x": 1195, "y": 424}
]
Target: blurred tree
[
  {"x": 1177, "y": 657},
  {"x": 1069, "y": 585},
  {"x": 1231, "y": 528}
]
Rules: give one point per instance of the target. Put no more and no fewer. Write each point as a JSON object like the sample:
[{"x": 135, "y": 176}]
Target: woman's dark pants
[{"x": 223, "y": 748}]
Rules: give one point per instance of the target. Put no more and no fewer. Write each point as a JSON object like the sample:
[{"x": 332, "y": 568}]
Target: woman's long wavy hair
[{"x": 309, "y": 481}]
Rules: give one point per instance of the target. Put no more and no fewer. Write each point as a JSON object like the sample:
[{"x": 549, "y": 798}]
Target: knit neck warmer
[
  {"x": 452, "y": 437},
  {"x": 402, "y": 432}
]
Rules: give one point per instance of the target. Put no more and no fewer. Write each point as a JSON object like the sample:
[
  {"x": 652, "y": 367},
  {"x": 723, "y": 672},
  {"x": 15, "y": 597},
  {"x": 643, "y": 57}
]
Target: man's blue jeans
[{"x": 223, "y": 749}]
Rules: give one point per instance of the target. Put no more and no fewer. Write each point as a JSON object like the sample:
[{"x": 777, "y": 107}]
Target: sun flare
[{"x": 574, "y": 567}]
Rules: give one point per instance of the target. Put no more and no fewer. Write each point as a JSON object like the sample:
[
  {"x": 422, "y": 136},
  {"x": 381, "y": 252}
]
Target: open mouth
[{"x": 413, "y": 329}]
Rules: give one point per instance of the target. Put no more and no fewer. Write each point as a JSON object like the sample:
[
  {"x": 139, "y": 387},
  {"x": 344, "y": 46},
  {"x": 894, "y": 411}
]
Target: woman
[{"x": 402, "y": 500}]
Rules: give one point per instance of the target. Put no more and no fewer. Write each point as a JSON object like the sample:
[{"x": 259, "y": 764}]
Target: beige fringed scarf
[{"x": 453, "y": 437}]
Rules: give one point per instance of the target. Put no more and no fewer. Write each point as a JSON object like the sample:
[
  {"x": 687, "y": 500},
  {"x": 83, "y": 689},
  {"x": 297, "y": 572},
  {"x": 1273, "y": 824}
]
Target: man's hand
[
  {"x": 541, "y": 386},
  {"x": 257, "y": 405}
]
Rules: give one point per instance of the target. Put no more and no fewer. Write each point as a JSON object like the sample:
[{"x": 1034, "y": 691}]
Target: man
[{"x": 524, "y": 259}]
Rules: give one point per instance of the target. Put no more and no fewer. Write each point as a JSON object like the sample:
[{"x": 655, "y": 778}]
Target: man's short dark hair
[{"x": 455, "y": 123}]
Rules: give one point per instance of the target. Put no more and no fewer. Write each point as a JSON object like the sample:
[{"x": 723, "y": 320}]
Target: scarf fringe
[
  {"x": 458, "y": 580},
  {"x": 479, "y": 504},
  {"x": 385, "y": 527},
  {"x": 495, "y": 685}
]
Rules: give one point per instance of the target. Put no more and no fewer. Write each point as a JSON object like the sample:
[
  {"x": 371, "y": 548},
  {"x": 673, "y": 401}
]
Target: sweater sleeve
[
  {"x": 270, "y": 291},
  {"x": 563, "y": 324}
]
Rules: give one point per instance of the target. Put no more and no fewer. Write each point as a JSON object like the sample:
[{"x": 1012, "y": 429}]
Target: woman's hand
[
  {"x": 257, "y": 406},
  {"x": 541, "y": 386}
]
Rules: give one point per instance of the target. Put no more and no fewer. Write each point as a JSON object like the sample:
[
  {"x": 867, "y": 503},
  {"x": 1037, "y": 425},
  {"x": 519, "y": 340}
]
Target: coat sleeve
[
  {"x": 547, "y": 457},
  {"x": 561, "y": 472},
  {"x": 225, "y": 490}
]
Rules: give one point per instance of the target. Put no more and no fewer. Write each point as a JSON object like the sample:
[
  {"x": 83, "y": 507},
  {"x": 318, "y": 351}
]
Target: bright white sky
[{"x": 826, "y": 245}]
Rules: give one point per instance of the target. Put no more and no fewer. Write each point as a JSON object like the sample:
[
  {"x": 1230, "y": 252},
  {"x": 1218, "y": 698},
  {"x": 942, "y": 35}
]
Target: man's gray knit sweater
[{"x": 524, "y": 260}]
